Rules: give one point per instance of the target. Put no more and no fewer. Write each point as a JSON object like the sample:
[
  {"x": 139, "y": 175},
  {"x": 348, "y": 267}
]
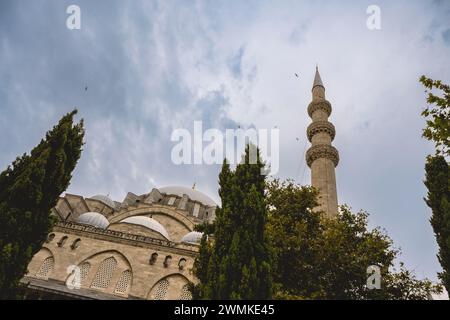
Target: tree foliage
[
  {"x": 319, "y": 258},
  {"x": 235, "y": 264},
  {"x": 437, "y": 113},
  {"x": 437, "y": 174},
  {"x": 437, "y": 181},
  {"x": 29, "y": 188}
]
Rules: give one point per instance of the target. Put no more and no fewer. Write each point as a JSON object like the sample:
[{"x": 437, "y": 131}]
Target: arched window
[
  {"x": 182, "y": 263},
  {"x": 167, "y": 261},
  {"x": 104, "y": 273},
  {"x": 75, "y": 244},
  {"x": 50, "y": 237},
  {"x": 62, "y": 241},
  {"x": 161, "y": 289},
  {"x": 84, "y": 271},
  {"x": 124, "y": 282},
  {"x": 153, "y": 258},
  {"x": 46, "y": 268},
  {"x": 185, "y": 293}
]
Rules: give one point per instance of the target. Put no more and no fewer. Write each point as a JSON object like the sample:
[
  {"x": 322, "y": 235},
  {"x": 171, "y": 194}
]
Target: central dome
[
  {"x": 149, "y": 223},
  {"x": 93, "y": 219},
  {"x": 191, "y": 193}
]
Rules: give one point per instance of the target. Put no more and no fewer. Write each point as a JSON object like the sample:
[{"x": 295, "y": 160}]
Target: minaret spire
[
  {"x": 322, "y": 157},
  {"x": 317, "y": 79}
]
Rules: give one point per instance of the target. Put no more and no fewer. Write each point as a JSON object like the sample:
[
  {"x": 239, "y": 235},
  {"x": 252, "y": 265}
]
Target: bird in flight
[
  {"x": 297, "y": 139},
  {"x": 296, "y": 75},
  {"x": 85, "y": 88}
]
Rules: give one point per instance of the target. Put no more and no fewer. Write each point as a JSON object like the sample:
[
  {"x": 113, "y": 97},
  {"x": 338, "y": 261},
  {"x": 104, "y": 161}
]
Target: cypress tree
[
  {"x": 239, "y": 260},
  {"x": 437, "y": 129},
  {"x": 437, "y": 181},
  {"x": 29, "y": 188}
]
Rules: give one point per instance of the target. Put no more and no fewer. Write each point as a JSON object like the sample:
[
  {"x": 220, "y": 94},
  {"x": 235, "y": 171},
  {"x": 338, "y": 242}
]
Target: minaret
[{"x": 322, "y": 157}]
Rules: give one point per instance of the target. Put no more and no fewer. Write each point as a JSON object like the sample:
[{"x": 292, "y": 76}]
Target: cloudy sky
[{"x": 155, "y": 66}]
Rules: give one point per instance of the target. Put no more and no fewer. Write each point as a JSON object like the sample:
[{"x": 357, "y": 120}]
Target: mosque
[{"x": 144, "y": 247}]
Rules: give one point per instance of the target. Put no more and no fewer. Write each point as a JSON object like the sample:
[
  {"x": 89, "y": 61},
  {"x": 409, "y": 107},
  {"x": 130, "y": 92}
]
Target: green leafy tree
[
  {"x": 235, "y": 264},
  {"x": 319, "y": 258},
  {"x": 437, "y": 172},
  {"x": 293, "y": 229},
  {"x": 29, "y": 188},
  {"x": 437, "y": 114},
  {"x": 404, "y": 285}
]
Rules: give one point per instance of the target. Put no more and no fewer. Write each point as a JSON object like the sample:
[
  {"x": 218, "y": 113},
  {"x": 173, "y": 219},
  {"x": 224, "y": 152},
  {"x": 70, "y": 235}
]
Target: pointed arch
[
  {"x": 46, "y": 268},
  {"x": 119, "y": 256},
  {"x": 169, "y": 287},
  {"x": 104, "y": 273}
]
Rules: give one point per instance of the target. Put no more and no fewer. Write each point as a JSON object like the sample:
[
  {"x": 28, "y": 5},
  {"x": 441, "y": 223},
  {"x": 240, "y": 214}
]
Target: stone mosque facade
[
  {"x": 144, "y": 247},
  {"x": 141, "y": 248}
]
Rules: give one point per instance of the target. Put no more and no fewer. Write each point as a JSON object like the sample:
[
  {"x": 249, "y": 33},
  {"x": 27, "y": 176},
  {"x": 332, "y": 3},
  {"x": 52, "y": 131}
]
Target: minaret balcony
[
  {"x": 322, "y": 151},
  {"x": 320, "y": 126},
  {"x": 319, "y": 105}
]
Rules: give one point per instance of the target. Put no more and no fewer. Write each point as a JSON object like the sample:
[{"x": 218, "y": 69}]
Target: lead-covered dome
[
  {"x": 193, "y": 237},
  {"x": 94, "y": 219},
  {"x": 105, "y": 200},
  {"x": 149, "y": 223},
  {"x": 191, "y": 193}
]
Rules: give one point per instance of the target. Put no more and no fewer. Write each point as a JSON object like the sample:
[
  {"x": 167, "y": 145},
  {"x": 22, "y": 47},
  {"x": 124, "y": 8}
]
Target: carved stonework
[
  {"x": 319, "y": 105},
  {"x": 320, "y": 126},
  {"x": 322, "y": 151}
]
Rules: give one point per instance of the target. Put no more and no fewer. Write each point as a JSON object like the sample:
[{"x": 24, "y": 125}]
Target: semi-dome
[
  {"x": 191, "y": 193},
  {"x": 149, "y": 223},
  {"x": 94, "y": 219},
  {"x": 105, "y": 200},
  {"x": 193, "y": 237}
]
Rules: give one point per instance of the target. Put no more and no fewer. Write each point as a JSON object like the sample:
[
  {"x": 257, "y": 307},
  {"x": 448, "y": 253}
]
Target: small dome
[
  {"x": 149, "y": 223},
  {"x": 193, "y": 237},
  {"x": 93, "y": 219},
  {"x": 191, "y": 193},
  {"x": 105, "y": 200}
]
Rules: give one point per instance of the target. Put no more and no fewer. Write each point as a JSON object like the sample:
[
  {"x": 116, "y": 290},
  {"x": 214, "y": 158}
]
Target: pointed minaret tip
[{"x": 317, "y": 79}]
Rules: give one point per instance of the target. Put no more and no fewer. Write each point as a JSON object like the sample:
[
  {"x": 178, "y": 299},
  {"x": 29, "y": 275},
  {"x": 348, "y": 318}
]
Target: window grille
[
  {"x": 185, "y": 293},
  {"x": 46, "y": 268},
  {"x": 104, "y": 273},
  {"x": 124, "y": 282},
  {"x": 161, "y": 290}
]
